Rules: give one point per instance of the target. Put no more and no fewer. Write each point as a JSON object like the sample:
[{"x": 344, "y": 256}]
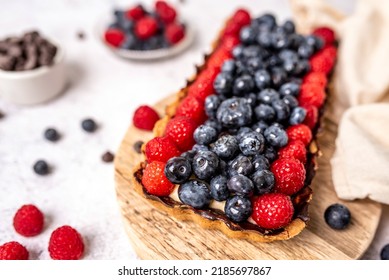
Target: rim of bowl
[{"x": 59, "y": 57}]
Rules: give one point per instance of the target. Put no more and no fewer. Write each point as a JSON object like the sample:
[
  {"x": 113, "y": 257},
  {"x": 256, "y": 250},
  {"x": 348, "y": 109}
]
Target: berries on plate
[
  {"x": 154, "y": 179},
  {"x": 66, "y": 244},
  {"x": 165, "y": 12},
  {"x": 28, "y": 221},
  {"x": 145, "y": 117},
  {"x": 135, "y": 13},
  {"x": 145, "y": 27},
  {"x": 289, "y": 174},
  {"x": 272, "y": 210},
  {"x": 174, "y": 33},
  {"x": 337, "y": 216},
  {"x": 13, "y": 251},
  {"x": 161, "y": 149},
  {"x": 180, "y": 130},
  {"x": 114, "y": 37}
]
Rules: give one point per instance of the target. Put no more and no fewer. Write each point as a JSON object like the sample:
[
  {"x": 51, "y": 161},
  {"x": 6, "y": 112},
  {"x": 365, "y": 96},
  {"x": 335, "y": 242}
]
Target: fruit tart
[{"x": 236, "y": 151}]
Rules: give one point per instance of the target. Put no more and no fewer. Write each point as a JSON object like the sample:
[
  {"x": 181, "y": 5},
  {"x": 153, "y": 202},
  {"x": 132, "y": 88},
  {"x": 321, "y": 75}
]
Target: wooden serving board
[{"x": 155, "y": 235}]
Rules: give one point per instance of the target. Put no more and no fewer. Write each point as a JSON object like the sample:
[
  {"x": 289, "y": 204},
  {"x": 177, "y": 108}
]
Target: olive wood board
[{"x": 155, "y": 235}]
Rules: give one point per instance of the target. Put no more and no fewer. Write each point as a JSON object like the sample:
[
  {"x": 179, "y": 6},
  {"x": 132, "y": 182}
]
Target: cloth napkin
[{"x": 360, "y": 164}]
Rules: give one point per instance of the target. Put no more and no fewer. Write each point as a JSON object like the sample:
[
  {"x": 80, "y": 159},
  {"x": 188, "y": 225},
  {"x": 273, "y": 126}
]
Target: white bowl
[{"x": 34, "y": 86}]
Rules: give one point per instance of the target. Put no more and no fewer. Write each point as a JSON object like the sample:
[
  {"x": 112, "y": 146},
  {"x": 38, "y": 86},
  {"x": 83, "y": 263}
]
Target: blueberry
[
  {"x": 297, "y": 116},
  {"x": 282, "y": 110},
  {"x": 130, "y": 42},
  {"x": 198, "y": 147},
  {"x": 178, "y": 170},
  {"x": 289, "y": 27},
  {"x": 270, "y": 153},
  {"x": 223, "y": 83},
  {"x": 252, "y": 143},
  {"x": 260, "y": 127},
  {"x": 264, "y": 112},
  {"x": 225, "y": 147},
  {"x": 228, "y": 67},
  {"x": 314, "y": 41},
  {"x": 216, "y": 125},
  {"x": 278, "y": 76},
  {"x": 234, "y": 113},
  {"x": 385, "y": 252},
  {"x": 252, "y": 51},
  {"x": 126, "y": 24},
  {"x": 211, "y": 104},
  {"x": 337, "y": 216},
  {"x": 262, "y": 79},
  {"x": 302, "y": 67},
  {"x": 263, "y": 181},
  {"x": 251, "y": 99},
  {"x": 237, "y": 52},
  {"x": 51, "y": 134},
  {"x": 265, "y": 39},
  {"x": 241, "y": 68},
  {"x": 41, "y": 167},
  {"x": 289, "y": 89},
  {"x": 218, "y": 188},
  {"x": 305, "y": 50},
  {"x": 280, "y": 38},
  {"x": 247, "y": 35},
  {"x": 89, "y": 125},
  {"x": 243, "y": 84},
  {"x": 238, "y": 209},
  {"x": 288, "y": 55},
  {"x": 242, "y": 131},
  {"x": 268, "y": 20},
  {"x": 276, "y": 136},
  {"x": 205, "y": 164},
  {"x": 273, "y": 61},
  {"x": 260, "y": 162},
  {"x": 290, "y": 101},
  {"x": 253, "y": 64},
  {"x": 205, "y": 134},
  {"x": 189, "y": 155},
  {"x": 195, "y": 194},
  {"x": 241, "y": 185},
  {"x": 268, "y": 96},
  {"x": 223, "y": 168},
  {"x": 240, "y": 165}
]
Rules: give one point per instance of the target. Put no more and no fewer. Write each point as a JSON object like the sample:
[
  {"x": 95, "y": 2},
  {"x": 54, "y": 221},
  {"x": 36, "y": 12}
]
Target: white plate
[{"x": 149, "y": 54}]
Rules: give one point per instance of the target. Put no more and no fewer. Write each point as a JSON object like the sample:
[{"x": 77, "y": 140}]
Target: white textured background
[{"x": 80, "y": 191}]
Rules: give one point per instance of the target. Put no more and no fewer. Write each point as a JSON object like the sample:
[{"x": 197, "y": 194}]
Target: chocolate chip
[
  {"x": 31, "y": 36},
  {"x": 7, "y": 62},
  {"x": 107, "y": 157},
  {"x": 138, "y": 146},
  {"x": 31, "y": 63},
  {"x": 15, "y": 51},
  {"x": 80, "y": 35},
  {"x": 1, "y": 115}
]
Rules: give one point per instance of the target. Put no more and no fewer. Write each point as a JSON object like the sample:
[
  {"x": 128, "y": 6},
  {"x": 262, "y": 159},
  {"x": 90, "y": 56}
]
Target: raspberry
[
  {"x": 294, "y": 149},
  {"x": 13, "y": 251},
  {"x": 289, "y": 175},
  {"x": 165, "y": 12},
  {"x": 161, "y": 149},
  {"x": 155, "y": 181},
  {"x": 174, "y": 33},
  {"x": 28, "y": 221},
  {"x": 202, "y": 87},
  {"x": 232, "y": 29},
  {"x": 114, "y": 37},
  {"x": 318, "y": 78},
  {"x": 311, "y": 117},
  {"x": 300, "y": 132},
  {"x": 272, "y": 210},
  {"x": 135, "y": 13},
  {"x": 146, "y": 27},
  {"x": 327, "y": 34},
  {"x": 242, "y": 17},
  {"x": 324, "y": 60},
  {"x": 66, "y": 244},
  {"x": 218, "y": 57},
  {"x": 145, "y": 117},
  {"x": 311, "y": 94},
  {"x": 181, "y": 130},
  {"x": 229, "y": 42},
  {"x": 192, "y": 108}
]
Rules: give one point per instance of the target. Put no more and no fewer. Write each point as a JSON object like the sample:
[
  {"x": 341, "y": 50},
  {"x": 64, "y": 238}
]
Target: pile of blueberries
[{"x": 255, "y": 101}]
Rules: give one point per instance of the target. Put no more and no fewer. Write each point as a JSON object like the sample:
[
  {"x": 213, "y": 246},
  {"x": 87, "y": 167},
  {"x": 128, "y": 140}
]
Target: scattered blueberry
[
  {"x": 337, "y": 216},
  {"x": 89, "y": 125},
  {"x": 178, "y": 170},
  {"x": 41, "y": 167},
  {"x": 218, "y": 188},
  {"x": 205, "y": 164},
  {"x": 205, "y": 134},
  {"x": 385, "y": 252},
  {"x": 195, "y": 194},
  {"x": 52, "y": 134},
  {"x": 238, "y": 208},
  {"x": 138, "y": 146}
]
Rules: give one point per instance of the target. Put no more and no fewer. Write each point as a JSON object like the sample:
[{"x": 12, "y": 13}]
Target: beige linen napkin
[{"x": 360, "y": 164}]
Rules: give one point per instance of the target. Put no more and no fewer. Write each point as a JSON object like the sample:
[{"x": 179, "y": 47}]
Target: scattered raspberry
[
  {"x": 318, "y": 78},
  {"x": 145, "y": 117},
  {"x": 114, "y": 37},
  {"x": 324, "y": 60},
  {"x": 242, "y": 17},
  {"x": 146, "y": 27},
  {"x": 311, "y": 117},
  {"x": 28, "y": 220},
  {"x": 294, "y": 149},
  {"x": 192, "y": 108},
  {"x": 202, "y": 87},
  {"x": 66, "y": 244},
  {"x": 289, "y": 174},
  {"x": 174, "y": 33},
  {"x": 311, "y": 94},
  {"x": 218, "y": 57},
  {"x": 181, "y": 130},
  {"x": 155, "y": 181},
  {"x": 299, "y": 132},
  {"x": 165, "y": 12},
  {"x": 13, "y": 251},
  {"x": 135, "y": 13},
  {"x": 272, "y": 210},
  {"x": 327, "y": 34},
  {"x": 161, "y": 149}
]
